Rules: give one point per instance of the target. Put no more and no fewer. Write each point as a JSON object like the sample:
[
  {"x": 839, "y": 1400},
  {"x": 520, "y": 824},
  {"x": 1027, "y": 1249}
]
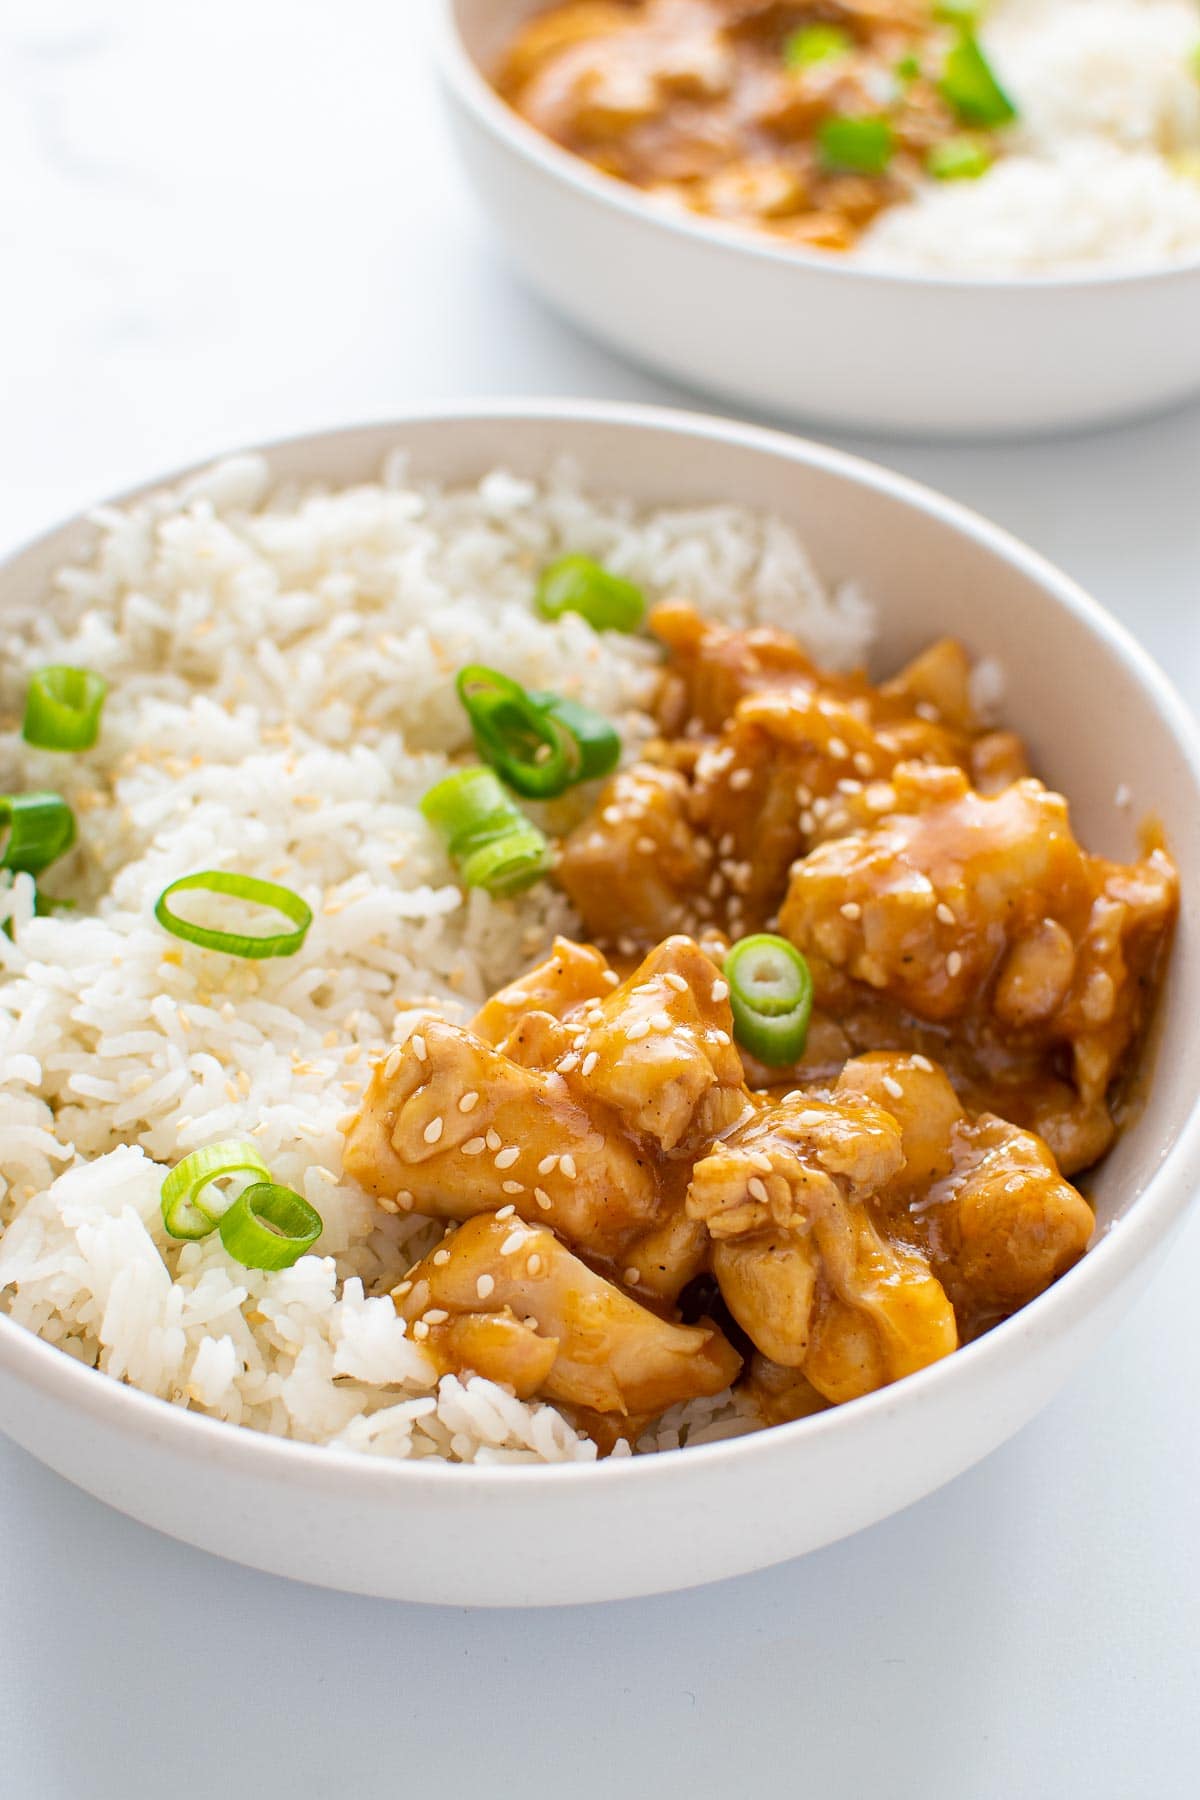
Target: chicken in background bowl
[{"x": 933, "y": 134}]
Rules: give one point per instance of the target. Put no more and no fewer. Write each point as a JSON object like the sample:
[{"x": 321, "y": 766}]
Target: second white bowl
[{"x": 804, "y": 335}]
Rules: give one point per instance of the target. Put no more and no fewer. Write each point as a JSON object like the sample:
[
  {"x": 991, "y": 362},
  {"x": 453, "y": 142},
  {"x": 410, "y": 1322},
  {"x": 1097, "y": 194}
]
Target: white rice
[
  {"x": 1104, "y": 166},
  {"x": 281, "y": 696}
]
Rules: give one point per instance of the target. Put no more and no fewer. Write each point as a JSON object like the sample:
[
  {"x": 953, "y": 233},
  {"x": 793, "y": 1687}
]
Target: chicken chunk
[
  {"x": 984, "y": 1197},
  {"x": 587, "y": 1121},
  {"x": 707, "y": 834},
  {"x": 957, "y": 907},
  {"x": 630, "y": 868},
  {"x": 1003, "y": 1223},
  {"x": 450, "y": 1127},
  {"x": 509, "y": 1301},
  {"x": 570, "y": 976},
  {"x": 801, "y": 1264}
]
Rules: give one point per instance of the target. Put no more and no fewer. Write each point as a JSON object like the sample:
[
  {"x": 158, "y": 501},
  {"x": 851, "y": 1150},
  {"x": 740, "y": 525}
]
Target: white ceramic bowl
[
  {"x": 1096, "y": 713},
  {"x": 808, "y": 336}
]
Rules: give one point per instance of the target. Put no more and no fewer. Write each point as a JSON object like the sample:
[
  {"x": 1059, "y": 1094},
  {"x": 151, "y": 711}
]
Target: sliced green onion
[
  {"x": 598, "y": 744},
  {"x": 62, "y": 708},
  {"x": 534, "y": 752},
  {"x": 859, "y": 146},
  {"x": 771, "y": 997},
  {"x": 189, "y": 1210},
  {"x": 495, "y": 846},
  {"x": 39, "y": 829},
  {"x": 908, "y": 68},
  {"x": 958, "y": 159},
  {"x": 972, "y": 89},
  {"x": 239, "y": 887},
  {"x": 269, "y": 1227},
  {"x": 816, "y": 44},
  {"x": 1194, "y": 62},
  {"x": 577, "y": 584}
]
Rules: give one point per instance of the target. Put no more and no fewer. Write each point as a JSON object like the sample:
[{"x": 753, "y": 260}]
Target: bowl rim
[
  {"x": 1106, "y": 1265},
  {"x": 465, "y": 80}
]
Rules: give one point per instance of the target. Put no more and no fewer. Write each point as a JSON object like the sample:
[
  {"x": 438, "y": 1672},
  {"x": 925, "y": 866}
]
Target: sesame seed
[
  {"x": 612, "y": 815},
  {"x": 807, "y": 823},
  {"x": 925, "y": 710},
  {"x": 661, "y": 1021},
  {"x": 433, "y": 1130},
  {"x": 589, "y": 1062},
  {"x": 632, "y": 1276},
  {"x": 1123, "y": 795},
  {"x": 542, "y": 1198},
  {"x": 405, "y": 1199},
  {"x": 726, "y": 845},
  {"x": 389, "y": 1206},
  {"x": 512, "y": 1242},
  {"x": 761, "y": 1161},
  {"x": 438, "y": 1316},
  {"x": 506, "y": 1212},
  {"x": 645, "y": 846},
  {"x": 485, "y": 1285},
  {"x": 468, "y": 1101},
  {"x": 611, "y": 977},
  {"x": 569, "y": 1061},
  {"x": 954, "y": 964},
  {"x": 923, "y": 1063},
  {"x": 627, "y": 946},
  {"x": 507, "y": 1157},
  {"x": 534, "y": 1265},
  {"x": 474, "y": 1147},
  {"x": 720, "y": 991},
  {"x": 418, "y": 1044},
  {"x": 441, "y": 1258},
  {"x": 404, "y": 1287},
  {"x": 677, "y": 982},
  {"x": 393, "y": 1062},
  {"x": 849, "y": 787},
  {"x": 796, "y": 1094},
  {"x": 512, "y": 1187},
  {"x": 420, "y": 1329},
  {"x": 640, "y": 1030},
  {"x": 741, "y": 778},
  {"x": 715, "y": 885},
  {"x": 493, "y": 1140},
  {"x": 547, "y": 1163},
  {"x": 892, "y": 1086},
  {"x": 803, "y": 795},
  {"x": 756, "y": 1187},
  {"x": 722, "y": 1037},
  {"x": 838, "y": 748},
  {"x": 851, "y": 910},
  {"x": 863, "y": 763},
  {"x": 567, "y": 1166},
  {"x": 945, "y": 913}
]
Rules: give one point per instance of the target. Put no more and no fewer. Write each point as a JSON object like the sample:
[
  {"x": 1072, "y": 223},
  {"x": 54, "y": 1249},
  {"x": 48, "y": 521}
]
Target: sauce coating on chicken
[
  {"x": 738, "y": 108},
  {"x": 640, "y": 1214}
]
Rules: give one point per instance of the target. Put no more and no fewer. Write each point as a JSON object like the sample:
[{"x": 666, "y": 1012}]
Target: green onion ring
[
  {"x": 535, "y": 753},
  {"x": 495, "y": 846},
  {"x": 184, "y": 1212},
  {"x": 269, "y": 1227},
  {"x": 771, "y": 997},
  {"x": 597, "y": 740},
  {"x": 63, "y": 707},
  {"x": 40, "y": 828},
  {"x": 241, "y": 887},
  {"x": 578, "y": 584}
]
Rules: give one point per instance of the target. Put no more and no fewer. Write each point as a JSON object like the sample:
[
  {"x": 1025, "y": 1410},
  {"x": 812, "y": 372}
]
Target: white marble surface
[{"x": 228, "y": 221}]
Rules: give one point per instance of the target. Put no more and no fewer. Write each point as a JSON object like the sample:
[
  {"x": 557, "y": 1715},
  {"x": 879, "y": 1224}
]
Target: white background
[{"x": 237, "y": 218}]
